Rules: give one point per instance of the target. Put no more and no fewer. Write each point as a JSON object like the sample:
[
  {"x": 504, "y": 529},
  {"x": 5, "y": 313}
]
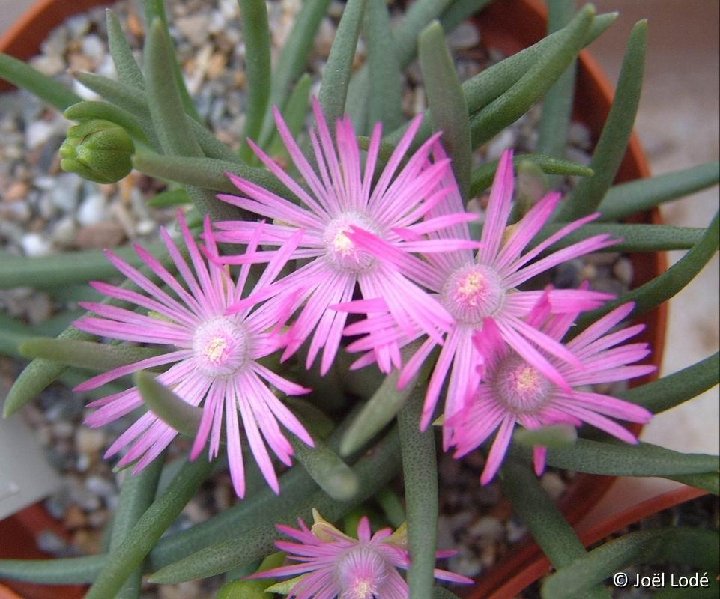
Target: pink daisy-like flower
[
  {"x": 338, "y": 194},
  {"x": 473, "y": 290},
  {"x": 514, "y": 391},
  {"x": 214, "y": 355},
  {"x": 332, "y": 564}
]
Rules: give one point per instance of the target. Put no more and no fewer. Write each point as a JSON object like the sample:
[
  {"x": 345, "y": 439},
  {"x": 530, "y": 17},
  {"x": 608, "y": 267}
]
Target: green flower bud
[{"x": 97, "y": 150}]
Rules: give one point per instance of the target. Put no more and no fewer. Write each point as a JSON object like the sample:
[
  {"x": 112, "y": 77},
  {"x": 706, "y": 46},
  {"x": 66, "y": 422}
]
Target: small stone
[
  {"x": 88, "y": 541},
  {"x": 37, "y": 133},
  {"x": 567, "y": 274},
  {"x": 99, "y": 486},
  {"x": 501, "y": 142},
  {"x": 184, "y": 590},
  {"x": 100, "y": 236},
  {"x": 50, "y": 542},
  {"x": 65, "y": 191},
  {"x": 623, "y": 271},
  {"x": 74, "y": 517},
  {"x": 35, "y": 244},
  {"x": 63, "y": 233},
  {"x": 553, "y": 484},
  {"x": 464, "y": 36},
  {"x": 18, "y": 190},
  {"x": 92, "y": 210},
  {"x": 145, "y": 227},
  {"x": 38, "y": 308},
  {"x": 89, "y": 440},
  {"x": 98, "y": 519},
  {"x": 62, "y": 429},
  {"x": 514, "y": 530},
  {"x": 487, "y": 528},
  {"x": 48, "y": 64},
  {"x": 93, "y": 47},
  {"x": 194, "y": 27}
]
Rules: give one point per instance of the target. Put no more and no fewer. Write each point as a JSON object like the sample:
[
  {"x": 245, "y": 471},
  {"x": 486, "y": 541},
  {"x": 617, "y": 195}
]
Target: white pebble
[
  {"x": 37, "y": 133},
  {"x": 501, "y": 142},
  {"x": 64, "y": 231},
  {"x": 34, "y": 244},
  {"x": 92, "y": 210},
  {"x": 93, "y": 46},
  {"x": 465, "y": 36}
]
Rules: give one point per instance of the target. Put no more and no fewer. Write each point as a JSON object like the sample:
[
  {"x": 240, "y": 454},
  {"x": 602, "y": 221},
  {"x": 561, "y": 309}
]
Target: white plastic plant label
[{"x": 25, "y": 475}]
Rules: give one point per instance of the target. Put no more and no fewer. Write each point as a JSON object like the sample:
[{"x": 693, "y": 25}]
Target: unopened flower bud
[{"x": 97, "y": 150}]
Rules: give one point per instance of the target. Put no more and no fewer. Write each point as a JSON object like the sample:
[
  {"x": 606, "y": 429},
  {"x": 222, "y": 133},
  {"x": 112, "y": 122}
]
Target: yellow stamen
[{"x": 215, "y": 349}]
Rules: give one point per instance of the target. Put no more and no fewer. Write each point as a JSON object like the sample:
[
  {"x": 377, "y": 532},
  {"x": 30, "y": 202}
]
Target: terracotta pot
[
  {"x": 7, "y": 593},
  {"x": 509, "y": 25},
  {"x": 517, "y": 573}
]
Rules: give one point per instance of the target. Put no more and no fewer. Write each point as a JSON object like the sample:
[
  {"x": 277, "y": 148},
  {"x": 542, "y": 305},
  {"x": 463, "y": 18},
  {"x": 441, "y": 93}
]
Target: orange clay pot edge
[{"x": 535, "y": 569}]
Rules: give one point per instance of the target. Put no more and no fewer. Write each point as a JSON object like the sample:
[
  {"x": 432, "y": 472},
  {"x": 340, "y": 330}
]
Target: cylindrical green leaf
[
  {"x": 664, "y": 286},
  {"x": 46, "y": 88},
  {"x": 374, "y": 471},
  {"x": 63, "y": 269},
  {"x": 615, "y": 135},
  {"x": 155, "y": 11},
  {"x": 36, "y": 377},
  {"x": 419, "y": 462},
  {"x": 167, "y": 406},
  {"x": 415, "y": 19},
  {"x": 554, "y": 435},
  {"x": 539, "y": 513},
  {"x": 627, "y": 199},
  {"x": 147, "y": 531},
  {"x": 674, "y": 389},
  {"x": 337, "y": 71},
  {"x": 386, "y": 79},
  {"x": 557, "y": 104},
  {"x": 127, "y": 69},
  {"x": 327, "y": 469},
  {"x": 293, "y": 58},
  {"x": 621, "y": 459},
  {"x": 294, "y": 114},
  {"x": 205, "y": 173},
  {"x": 488, "y": 85},
  {"x": 136, "y": 494},
  {"x": 257, "y": 67},
  {"x": 85, "y": 354},
  {"x": 483, "y": 176},
  {"x": 632, "y": 238},
  {"x": 448, "y": 107},
  {"x": 532, "y": 85},
  {"x": 71, "y": 570},
  {"x": 375, "y": 415}
]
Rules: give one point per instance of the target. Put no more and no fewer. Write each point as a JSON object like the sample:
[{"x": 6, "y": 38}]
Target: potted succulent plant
[{"x": 382, "y": 216}]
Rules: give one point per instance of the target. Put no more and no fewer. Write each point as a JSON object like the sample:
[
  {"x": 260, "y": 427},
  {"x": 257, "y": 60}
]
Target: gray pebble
[
  {"x": 623, "y": 271},
  {"x": 50, "y": 542}
]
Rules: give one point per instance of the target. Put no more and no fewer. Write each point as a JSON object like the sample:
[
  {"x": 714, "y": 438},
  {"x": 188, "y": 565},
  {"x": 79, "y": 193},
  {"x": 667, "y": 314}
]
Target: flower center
[
  {"x": 361, "y": 573},
  {"x": 220, "y": 346},
  {"x": 341, "y": 251},
  {"x": 473, "y": 292},
  {"x": 519, "y": 386}
]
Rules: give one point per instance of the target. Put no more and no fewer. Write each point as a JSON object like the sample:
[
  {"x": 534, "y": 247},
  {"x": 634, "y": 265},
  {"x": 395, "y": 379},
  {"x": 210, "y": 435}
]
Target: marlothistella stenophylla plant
[{"x": 353, "y": 234}]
